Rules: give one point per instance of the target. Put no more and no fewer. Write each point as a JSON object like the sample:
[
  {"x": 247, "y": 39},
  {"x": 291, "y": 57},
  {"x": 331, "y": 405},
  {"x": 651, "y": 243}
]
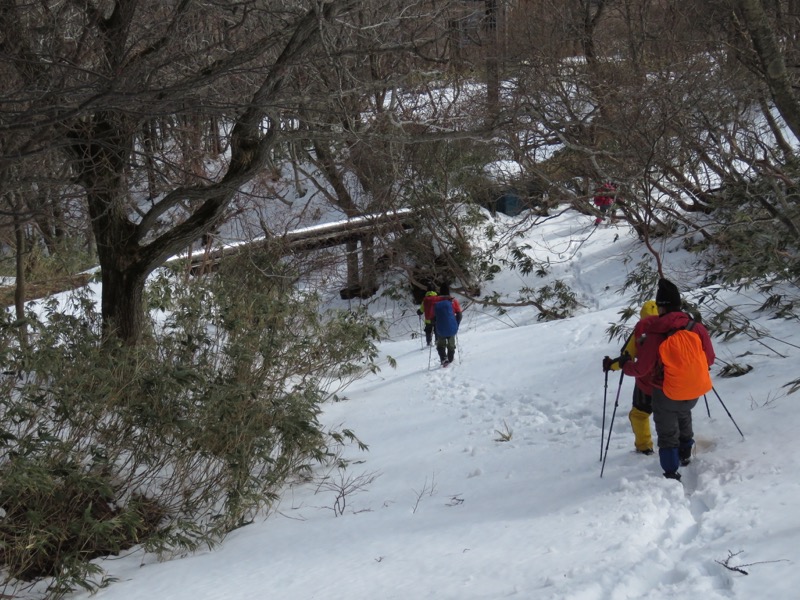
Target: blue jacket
[{"x": 446, "y": 316}]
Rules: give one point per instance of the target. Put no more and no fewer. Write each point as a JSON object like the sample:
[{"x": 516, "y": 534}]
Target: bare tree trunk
[
  {"x": 193, "y": 147},
  {"x": 301, "y": 190},
  {"x": 214, "y": 139},
  {"x": 148, "y": 137},
  {"x": 353, "y": 279},
  {"x": 19, "y": 263},
  {"x": 492, "y": 63},
  {"x": 775, "y": 128},
  {"x": 122, "y": 302},
  {"x": 368, "y": 274},
  {"x": 772, "y": 62}
]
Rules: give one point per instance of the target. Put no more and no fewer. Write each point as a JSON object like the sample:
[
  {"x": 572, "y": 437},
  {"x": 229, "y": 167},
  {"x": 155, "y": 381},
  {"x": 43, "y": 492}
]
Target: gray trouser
[
  {"x": 673, "y": 420},
  {"x": 446, "y": 347}
]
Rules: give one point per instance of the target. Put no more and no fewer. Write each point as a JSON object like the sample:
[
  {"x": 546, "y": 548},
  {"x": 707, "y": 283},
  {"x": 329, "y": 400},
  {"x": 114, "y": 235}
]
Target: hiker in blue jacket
[{"x": 446, "y": 319}]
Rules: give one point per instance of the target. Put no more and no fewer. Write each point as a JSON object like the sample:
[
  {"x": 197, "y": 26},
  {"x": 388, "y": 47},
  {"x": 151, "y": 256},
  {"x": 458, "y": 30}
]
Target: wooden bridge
[{"x": 354, "y": 230}]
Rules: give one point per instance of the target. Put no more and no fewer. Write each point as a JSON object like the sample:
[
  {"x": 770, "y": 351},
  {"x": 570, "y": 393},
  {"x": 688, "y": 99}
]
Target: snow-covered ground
[{"x": 482, "y": 481}]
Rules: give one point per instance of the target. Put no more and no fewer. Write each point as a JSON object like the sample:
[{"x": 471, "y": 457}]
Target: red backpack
[{"x": 686, "y": 374}]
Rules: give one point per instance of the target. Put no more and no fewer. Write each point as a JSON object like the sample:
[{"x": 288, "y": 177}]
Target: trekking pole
[
  {"x": 605, "y": 393},
  {"x": 705, "y": 397},
  {"x": 603, "y": 428},
  {"x": 611, "y": 425},
  {"x": 727, "y": 411}
]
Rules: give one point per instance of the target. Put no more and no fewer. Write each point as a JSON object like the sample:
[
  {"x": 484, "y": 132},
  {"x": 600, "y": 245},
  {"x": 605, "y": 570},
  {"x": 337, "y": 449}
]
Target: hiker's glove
[
  {"x": 607, "y": 364},
  {"x": 419, "y": 312},
  {"x": 623, "y": 359}
]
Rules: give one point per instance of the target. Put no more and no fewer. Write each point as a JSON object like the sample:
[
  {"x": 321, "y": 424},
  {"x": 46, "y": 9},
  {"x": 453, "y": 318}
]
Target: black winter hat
[{"x": 668, "y": 295}]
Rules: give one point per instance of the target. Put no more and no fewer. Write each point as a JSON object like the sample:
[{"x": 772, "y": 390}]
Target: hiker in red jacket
[
  {"x": 427, "y": 311},
  {"x": 675, "y": 394},
  {"x": 604, "y": 198}
]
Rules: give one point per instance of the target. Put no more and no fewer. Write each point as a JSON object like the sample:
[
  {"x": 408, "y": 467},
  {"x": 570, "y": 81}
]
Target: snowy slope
[{"x": 441, "y": 507}]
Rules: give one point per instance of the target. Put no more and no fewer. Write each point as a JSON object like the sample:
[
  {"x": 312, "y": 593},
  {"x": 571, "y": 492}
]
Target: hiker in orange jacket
[
  {"x": 672, "y": 414},
  {"x": 642, "y": 405}
]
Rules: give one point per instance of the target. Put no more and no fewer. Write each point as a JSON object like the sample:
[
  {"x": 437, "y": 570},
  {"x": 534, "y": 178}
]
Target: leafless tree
[
  {"x": 162, "y": 111},
  {"x": 133, "y": 95},
  {"x": 392, "y": 107},
  {"x": 676, "y": 102}
]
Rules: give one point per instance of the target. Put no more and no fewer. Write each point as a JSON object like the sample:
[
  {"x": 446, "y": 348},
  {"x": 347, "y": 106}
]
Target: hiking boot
[
  {"x": 685, "y": 453},
  {"x": 646, "y": 451},
  {"x": 685, "y": 462},
  {"x": 673, "y": 475},
  {"x": 445, "y": 362}
]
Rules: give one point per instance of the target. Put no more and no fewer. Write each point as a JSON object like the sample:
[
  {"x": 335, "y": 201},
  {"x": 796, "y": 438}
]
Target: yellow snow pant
[{"x": 640, "y": 420}]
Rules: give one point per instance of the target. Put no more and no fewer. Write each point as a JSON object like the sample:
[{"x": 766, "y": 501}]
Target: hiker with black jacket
[{"x": 676, "y": 353}]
